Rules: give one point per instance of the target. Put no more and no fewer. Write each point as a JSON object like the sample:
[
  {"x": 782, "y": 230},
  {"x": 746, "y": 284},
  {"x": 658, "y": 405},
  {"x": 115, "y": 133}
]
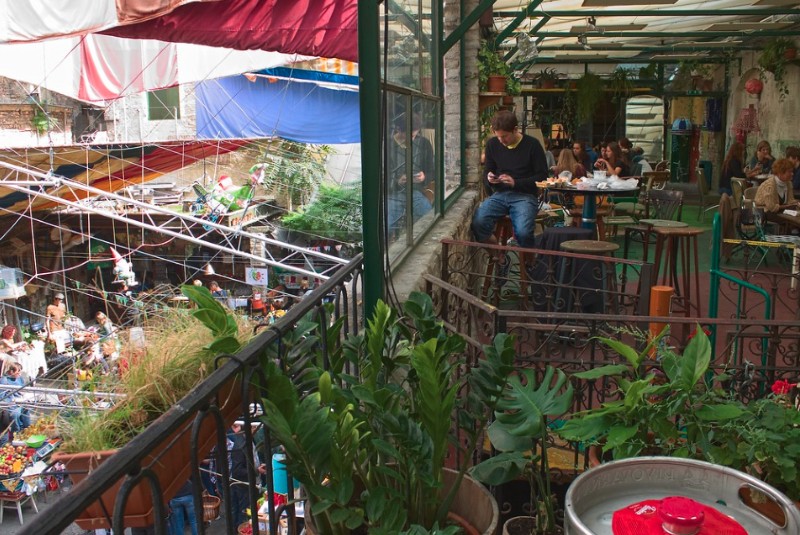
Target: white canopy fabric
[
  {"x": 99, "y": 67},
  {"x": 33, "y": 20}
]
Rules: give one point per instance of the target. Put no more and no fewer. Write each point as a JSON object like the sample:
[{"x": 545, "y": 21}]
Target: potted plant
[
  {"x": 42, "y": 122},
  {"x": 179, "y": 354},
  {"x": 672, "y": 411},
  {"x": 648, "y": 72},
  {"x": 519, "y": 433},
  {"x": 620, "y": 83},
  {"x": 764, "y": 441},
  {"x": 493, "y": 71},
  {"x": 367, "y": 435},
  {"x": 773, "y": 59},
  {"x": 588, "y": 96},
  {"x": 547, "y": 78}
]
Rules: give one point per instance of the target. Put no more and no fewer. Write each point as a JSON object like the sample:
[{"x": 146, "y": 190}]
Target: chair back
[
  {"x": 702, "y": 185},
  {"x": 656, "y": 179},
  {"x": 665, "y": 204},
  {"x": 758, "y": 221},
  {"x": 661, "y": 166},
  {"x": 738, "y": 185}
]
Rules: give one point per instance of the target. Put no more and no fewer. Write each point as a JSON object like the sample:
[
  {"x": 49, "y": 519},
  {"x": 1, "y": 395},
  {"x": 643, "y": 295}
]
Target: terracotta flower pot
[
  {"x": 496, "y": 84},
  {"x": 790, "y": 53},
  {"x": 172, "y": 466}
]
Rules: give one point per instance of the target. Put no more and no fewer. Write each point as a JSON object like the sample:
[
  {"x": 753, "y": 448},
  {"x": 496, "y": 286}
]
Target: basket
[{"x": 210, "y": 507}]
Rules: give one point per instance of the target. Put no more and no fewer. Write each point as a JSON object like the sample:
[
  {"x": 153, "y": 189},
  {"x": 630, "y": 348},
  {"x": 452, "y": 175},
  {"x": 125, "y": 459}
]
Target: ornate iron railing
[{"x": 137, "y": 464}]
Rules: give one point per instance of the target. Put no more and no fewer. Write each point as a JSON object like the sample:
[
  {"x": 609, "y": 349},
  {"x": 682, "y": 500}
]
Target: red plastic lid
[{"x": 681, "y": 511}]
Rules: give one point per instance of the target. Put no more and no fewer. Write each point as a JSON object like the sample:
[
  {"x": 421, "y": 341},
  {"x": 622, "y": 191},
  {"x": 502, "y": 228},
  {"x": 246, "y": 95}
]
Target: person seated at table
[
  {"x": 514, "y": 163},
  {"x": 793, "y": 154},
  {"x": 7, "y": 343},
  {"x": 20, "y": 415},
  {"x": 567, "y": 162},
  {"x": 731, "y": 167},
  {"x": 582, "y": 155},
  {"x": 612, "y": 162},
  {"x": 776, "y": 194},
  {"x": 216, "y": 291},
  {"x": 639, "y": 160},
  {"x": 761, "y": 163}
]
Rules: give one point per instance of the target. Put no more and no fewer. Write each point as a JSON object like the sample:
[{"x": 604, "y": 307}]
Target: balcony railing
[{"x": 136, "y": 465}]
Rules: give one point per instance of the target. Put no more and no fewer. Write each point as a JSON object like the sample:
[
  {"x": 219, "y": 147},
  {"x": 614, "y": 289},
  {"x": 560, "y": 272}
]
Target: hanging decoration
[
  {"x": 123, "y": 271},
  {"x": 754, "y": 87},
  {"x": 746, "y": 122}
]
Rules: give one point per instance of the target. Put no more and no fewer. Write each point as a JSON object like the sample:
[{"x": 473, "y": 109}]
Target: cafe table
[{"x": 590, "y": 194}]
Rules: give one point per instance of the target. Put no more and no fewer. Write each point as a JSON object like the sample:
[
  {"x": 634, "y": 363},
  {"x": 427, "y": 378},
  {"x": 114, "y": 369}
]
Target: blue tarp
[{"x": 235, "y": 108}]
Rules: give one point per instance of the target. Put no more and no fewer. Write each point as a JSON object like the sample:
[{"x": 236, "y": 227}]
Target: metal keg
[{"x": 596, "y": 494}]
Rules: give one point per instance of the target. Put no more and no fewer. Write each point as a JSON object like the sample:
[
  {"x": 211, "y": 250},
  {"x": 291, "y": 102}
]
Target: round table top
[
  {"x": 663, "y": 223},
  {"x": 589, "y": 246}
]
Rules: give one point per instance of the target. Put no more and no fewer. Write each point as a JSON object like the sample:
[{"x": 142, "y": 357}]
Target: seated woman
[
  {"x": 762, "y": 162},
  {"x": 613, "y": 161},
  {"x": 7, "y": 343},
  {"x": 776, "y": 193},
  {"x": 20, "y": 415}
]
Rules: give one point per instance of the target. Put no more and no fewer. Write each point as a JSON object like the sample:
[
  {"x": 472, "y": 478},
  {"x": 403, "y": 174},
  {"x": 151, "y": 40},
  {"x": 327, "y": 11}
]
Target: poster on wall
[{"x": 256, "y": 276}]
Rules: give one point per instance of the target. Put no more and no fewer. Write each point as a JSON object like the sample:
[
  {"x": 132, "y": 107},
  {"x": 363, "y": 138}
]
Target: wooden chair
[
  {"x": 656, "y": 179},
  {"x": 663, "y": 165},
  {"x": 705, "y": 195}
]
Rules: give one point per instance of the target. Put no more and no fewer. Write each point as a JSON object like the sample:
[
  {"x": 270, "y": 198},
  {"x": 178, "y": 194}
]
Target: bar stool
[
  {"x": 16, "y": 499},
  {"x": 679, "y": 242},
  {"x": 503, "y": 231},
  {"x": 587, "y": 293}
]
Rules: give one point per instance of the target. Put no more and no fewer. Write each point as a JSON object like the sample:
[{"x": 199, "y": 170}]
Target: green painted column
[{"x": 369, "y": 96}]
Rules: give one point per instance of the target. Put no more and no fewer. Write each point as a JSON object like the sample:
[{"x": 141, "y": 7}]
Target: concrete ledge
[{"x": 426, "y": 256}]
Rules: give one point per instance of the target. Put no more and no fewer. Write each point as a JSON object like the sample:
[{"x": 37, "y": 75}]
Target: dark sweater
[
  {"x": 526, "y": 163},
  {"x": 734, "y": 169}
]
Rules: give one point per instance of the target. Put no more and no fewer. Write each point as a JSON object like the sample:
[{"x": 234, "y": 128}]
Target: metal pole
[
  {"x": 57, "y": 180},
  {"x": 168, "y": 232},
  {"x": 369, "y": 97}
]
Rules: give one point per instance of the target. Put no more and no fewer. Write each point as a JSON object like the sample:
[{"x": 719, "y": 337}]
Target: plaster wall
[
  {"x": 127, "y": 121},
  {"x": 778, "y": 119}
]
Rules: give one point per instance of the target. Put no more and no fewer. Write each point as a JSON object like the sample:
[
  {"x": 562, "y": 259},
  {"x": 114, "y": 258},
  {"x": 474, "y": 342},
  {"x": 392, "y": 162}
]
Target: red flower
[{"x": 781, "y": 387}]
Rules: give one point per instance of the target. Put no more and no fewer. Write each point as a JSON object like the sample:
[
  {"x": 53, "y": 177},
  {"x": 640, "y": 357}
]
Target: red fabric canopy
[{"x": 326, "y": 28}]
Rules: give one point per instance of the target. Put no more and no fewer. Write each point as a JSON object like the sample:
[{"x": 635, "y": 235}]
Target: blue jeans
[
  {"x": 182, "y": 507},
  {"x": 21, "y": 417},
  {"x": 521, "y": 207},
  {"x": 396, "y": 207}
]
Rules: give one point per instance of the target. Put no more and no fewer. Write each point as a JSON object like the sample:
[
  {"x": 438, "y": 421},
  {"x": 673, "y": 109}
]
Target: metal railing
[{"x": 138, "y": 464}]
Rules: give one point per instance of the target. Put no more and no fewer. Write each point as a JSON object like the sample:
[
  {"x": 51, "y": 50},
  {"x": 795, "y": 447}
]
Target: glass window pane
[{"x": 164, "y": 104}]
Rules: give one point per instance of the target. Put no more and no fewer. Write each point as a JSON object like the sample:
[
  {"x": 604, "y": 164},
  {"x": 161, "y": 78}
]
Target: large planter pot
[
  {"x": 473, "y": 507},
  {"x": 171, "y": 465}
]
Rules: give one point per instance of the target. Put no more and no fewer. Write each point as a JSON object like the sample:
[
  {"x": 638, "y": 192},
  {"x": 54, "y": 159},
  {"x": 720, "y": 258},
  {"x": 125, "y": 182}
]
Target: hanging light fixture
[
  {"x": 745, "y": 123},
  {"x": 584, "y": 41}
]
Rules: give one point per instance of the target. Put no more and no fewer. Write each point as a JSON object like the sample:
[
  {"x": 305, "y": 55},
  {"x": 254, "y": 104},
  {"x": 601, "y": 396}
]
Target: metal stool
[
  {"x": 679, "y": 242},
  {"x": 503, "y": 231}
]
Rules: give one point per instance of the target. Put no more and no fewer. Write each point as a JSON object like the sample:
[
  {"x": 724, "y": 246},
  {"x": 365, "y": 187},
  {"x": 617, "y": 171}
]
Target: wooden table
[{"x": 790, "y": 221}]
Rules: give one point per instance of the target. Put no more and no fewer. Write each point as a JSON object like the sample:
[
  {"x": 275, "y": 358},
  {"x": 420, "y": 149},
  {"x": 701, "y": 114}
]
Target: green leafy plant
[
  {"x": 672, "y": 412},
  {"x": 765, "y": 440},
  {"x": 546, "y": 75},
  {"x": 369, "y": 447},
  {"x": 620, "y": 83},
  {"x": 519, "y": 433},
  {"x": 773, "y": 60},
  {"x": 335, "y": 213},
  {"x": 588, "y": 96},
  {"x": 180, "y": 353},
  {"x": 42, "y": 122},
  {"x": 648, "y": 72},
  {"x": 490, "y": 63},
  {"x": 294, "y": 170}
]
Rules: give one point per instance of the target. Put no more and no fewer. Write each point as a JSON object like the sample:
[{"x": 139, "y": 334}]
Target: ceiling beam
[
  {"x": 647, "y": 49},
  {"x": 456, "y": 35},
  {"x": 511, "y": 26},
  {"x": 583, "y": 13},
  {"x": 675, "y": 35}
]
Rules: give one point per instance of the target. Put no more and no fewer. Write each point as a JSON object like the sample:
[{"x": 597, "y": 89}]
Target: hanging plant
[
  {"x": 590, "y": 91},
  {"x": 773, "y": 59},
  {"x": 620, "y": 84}
]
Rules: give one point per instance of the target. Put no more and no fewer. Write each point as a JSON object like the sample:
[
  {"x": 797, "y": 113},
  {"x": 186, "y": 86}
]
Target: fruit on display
[
  {"x": 14, "y": 458},
  {"x": 42, "y": 426}
]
